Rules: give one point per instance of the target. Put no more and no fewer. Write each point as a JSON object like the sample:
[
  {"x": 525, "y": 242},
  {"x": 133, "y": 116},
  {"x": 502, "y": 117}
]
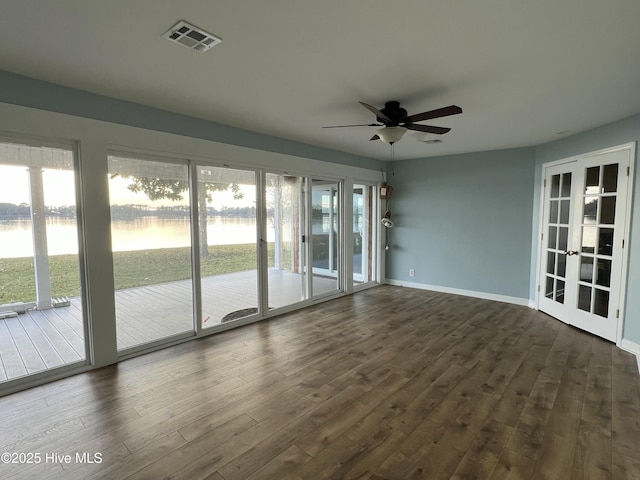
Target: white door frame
[{"x": 631, "y": 147}]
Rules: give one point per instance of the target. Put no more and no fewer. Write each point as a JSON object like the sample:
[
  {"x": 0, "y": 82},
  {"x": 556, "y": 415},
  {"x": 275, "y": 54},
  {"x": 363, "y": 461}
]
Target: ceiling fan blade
[
  {"x": 375, "y": 111},
  {"x": 375, "y": 137},
  {"x": 357, "y": 125},
  {"x": 440, "y": 112},
  {"x": 428, "y": 128}
]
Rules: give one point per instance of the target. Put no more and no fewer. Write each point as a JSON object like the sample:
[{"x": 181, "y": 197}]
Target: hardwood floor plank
[
  {"x": 592, "y": 457},
  {"x": 513, "y": 466},
  {"x": 281, "y": 465},
  {"x": 482, "y": 456},
  {"x": 324, "y": 465}
]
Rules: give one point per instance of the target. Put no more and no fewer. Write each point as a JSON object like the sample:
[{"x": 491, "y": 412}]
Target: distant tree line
[
  {"x": 123, "y": 212},
  {"x": 11, "y": 210}
]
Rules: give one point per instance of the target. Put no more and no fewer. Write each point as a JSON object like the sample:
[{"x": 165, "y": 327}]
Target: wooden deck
[{"x": 43, "y": 339}]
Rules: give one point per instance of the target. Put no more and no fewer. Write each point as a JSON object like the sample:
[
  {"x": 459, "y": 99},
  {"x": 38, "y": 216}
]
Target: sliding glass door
[
  {"x": 228, "y": 249},
  {"x": 41, "y": 316},
  {"x": 151, "y": 243},
  {"x": 286, "y": 252},
  {"x": 325, "y": 236},
  {"x": 363, "y": 233}
]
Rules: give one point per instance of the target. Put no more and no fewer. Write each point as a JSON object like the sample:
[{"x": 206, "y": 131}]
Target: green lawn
[{"x": 131, "y": 269}]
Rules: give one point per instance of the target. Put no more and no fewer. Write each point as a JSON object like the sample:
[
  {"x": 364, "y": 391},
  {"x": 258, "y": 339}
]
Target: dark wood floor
[{"x": 389, "y": 383}]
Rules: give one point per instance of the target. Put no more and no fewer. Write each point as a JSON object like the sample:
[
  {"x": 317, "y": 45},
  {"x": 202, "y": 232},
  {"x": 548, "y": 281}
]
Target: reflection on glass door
[
  {"x": 581, "y": 269},
  {"x": 325, "y": 236},
  {"x": 151, "y": 241},
  {"x": 41, "y": 318},
  {"x": 363, "y": 235},
  {"x": 227, "y": 244},
  {"x": 285, "y": 197}
]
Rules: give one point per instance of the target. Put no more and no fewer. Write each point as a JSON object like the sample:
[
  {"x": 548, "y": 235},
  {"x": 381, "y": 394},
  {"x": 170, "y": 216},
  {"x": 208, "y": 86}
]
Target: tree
[{"x": 158, "y": 189}]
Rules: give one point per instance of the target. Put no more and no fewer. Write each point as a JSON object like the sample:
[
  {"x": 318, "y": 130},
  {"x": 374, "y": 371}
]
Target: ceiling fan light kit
[{"x": 391, "y": 135}]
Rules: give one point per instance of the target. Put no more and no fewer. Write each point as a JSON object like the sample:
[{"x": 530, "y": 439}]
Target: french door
[{"x": 584, "y": 230}]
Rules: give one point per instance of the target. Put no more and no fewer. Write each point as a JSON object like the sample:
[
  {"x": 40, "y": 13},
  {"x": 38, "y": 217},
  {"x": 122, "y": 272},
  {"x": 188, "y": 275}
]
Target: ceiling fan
[{"x": 396, "y": 122}]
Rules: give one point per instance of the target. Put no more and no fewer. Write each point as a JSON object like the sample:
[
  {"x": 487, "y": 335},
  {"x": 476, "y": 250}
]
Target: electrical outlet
[{"x": 412, "y": 272}]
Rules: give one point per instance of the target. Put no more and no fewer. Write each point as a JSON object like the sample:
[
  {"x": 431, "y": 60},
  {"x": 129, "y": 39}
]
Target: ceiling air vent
[
  {"x": 435, "y": 140},
  {"x": 191, "y": 37}
]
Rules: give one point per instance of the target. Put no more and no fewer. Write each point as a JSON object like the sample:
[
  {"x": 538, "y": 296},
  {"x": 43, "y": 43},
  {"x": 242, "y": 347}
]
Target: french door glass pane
[
  {"x": 227, "y": 245},
  {"x": 610, "y": 178},
  {"x": 151, "y": 241},
  {"x": 363, "y": 205},
  {"x": 608, "y": 210},
  {"x": 325, "y": 235},
  {"x": 285, "y": 232},
  {"x": 41, "y": 318}
]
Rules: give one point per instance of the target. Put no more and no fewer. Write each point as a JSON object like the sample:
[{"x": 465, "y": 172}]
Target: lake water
[{"x": 139, "y": 234}]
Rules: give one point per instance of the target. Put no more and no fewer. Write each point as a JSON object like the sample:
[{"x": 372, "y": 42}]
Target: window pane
[
  {"x": 608, "y": 210},
  {"x": 551, "y": 262},
  {"x": 559, "y": 291},
  {"x": 566, "y": 185},
  {"x": 151, "y": 240},
  {"x": 562, "y": 265},
  {"x": 601, "y": 303},
  {"x": 603, "y": 272},
  {"x": 590, "y": 210},
  {"x": 586, "y": 269},
  {"x": 40, "y": 288},
  {"x": 548, "y": 291},
  {"x": 610, "y": 178},
  {"x": 589, "y": 239},
  {"x": 592, "y": 180},
  {"x": 553, "y": 211},
  {"x": 584, "y": 298},
  {"x": 605, "y": 241},
  {"x": 563, "y": 238},
  {"x": 555, "y": 186},
  {"x": 564, "y": 212},
  {"x": 553, "y": 233}
]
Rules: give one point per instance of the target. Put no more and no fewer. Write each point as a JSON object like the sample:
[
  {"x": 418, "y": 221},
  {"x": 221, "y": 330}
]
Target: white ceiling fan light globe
[{"x": 391, "y": 135}]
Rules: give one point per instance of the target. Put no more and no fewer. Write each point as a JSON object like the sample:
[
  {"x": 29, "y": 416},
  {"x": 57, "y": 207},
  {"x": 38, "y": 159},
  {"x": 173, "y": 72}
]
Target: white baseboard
[
  {"x": 631, "y": 347},
  {"x": 467, "y": 293}
]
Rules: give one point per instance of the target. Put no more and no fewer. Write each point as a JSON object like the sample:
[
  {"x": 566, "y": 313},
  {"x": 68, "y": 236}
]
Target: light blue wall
[
  {"x": 28, "y": 92},
  {"x": 624, "y": 131},
  {"x": 464, "y": 221}
]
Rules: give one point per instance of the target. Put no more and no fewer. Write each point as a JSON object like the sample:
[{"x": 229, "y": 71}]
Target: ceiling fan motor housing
[{"x": 394, "y": 112}]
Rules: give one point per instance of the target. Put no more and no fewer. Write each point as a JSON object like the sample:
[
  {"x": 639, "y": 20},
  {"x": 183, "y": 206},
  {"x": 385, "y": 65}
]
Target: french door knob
[{"x": 571, "y": 252}]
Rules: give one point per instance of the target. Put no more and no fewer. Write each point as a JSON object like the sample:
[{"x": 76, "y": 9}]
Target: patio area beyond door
[{"x": 583, "y": 241}]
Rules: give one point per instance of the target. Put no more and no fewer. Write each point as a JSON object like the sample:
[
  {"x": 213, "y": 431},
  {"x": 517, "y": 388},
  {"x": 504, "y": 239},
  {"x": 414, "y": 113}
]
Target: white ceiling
[{"x": 522, "y": 70}]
